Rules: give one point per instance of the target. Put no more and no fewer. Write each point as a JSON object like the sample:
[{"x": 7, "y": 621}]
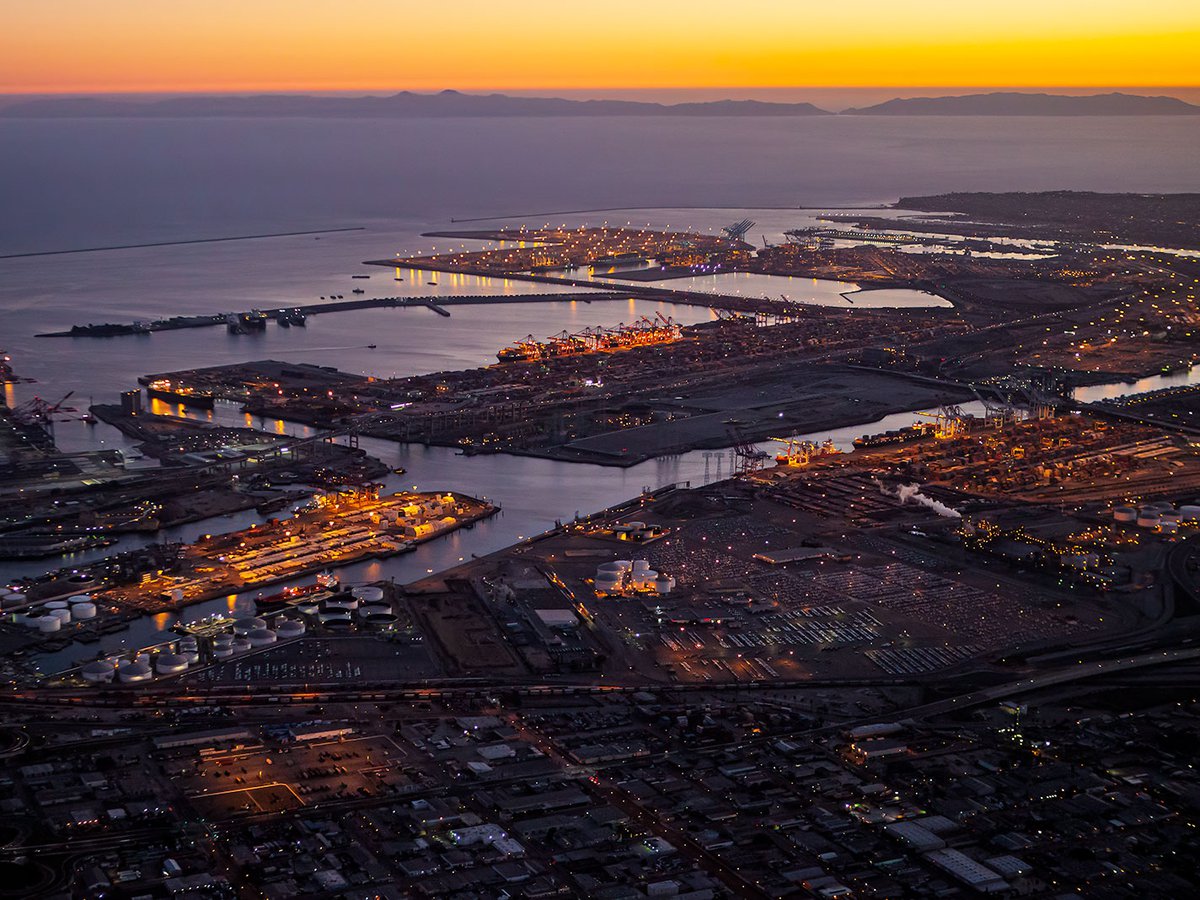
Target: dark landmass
[
  {"x": 1012, "y": 103},
  {"x": 446, "y": 104},
  {"x": 454, "y": 104},
  {"x": 1169, "y": 220}
]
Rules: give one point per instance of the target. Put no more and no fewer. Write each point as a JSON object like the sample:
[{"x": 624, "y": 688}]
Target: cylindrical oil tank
[
  {"x": 240, "y": 645},
  {"x": 170, "y": 664},
  {"x": 261, "y": 637},
  {"x": 664, "y": 584},
  {"x": 1125, "y": 514},
  {"x": 244, "y": 626},
  {"x": 63, "y": 615},
  {"x": 56, "y": 604},
  {"x": 222, "y": 651},
  {"x": 131, "y": 672},
  {"x": 79, "y": 598},
  {"x": 1190, "y": 512},
  {"x": 308, "y": 609},
  {"x": 341, "y": 601},
  {"x": 1148, "y": 519},
  {"x": 83, "y": 610},
  {"x": 289, "y": 628},
  {"x": 608, "y": 582},
  {"x": 98, "y": 672},
  {"x": 380, "y": 620},
  {"x": 368, "y": 593},
  {"x": 333, "y": 615},
  {"x": 374, "y": 609},
  {"x": 48, "y": 624}
]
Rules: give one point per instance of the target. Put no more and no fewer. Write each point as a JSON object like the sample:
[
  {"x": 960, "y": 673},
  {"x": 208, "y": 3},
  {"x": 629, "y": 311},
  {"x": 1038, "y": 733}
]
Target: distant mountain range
[
  {"x": 446, "y": 104},
  {"x": 454, "y": 104},
  {"x": 1018, "y": 104}
]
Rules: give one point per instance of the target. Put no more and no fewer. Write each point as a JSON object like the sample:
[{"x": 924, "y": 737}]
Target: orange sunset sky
[{"x": 53, "y": 46}]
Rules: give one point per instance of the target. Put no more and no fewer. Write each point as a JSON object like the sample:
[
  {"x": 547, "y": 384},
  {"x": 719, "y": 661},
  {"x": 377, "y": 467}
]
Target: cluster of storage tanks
[
  {"x": 1161, "y": 516},
  {"x": 622, "y": 576},
  {"x": 362, "y": 605},
  {"x": 52, "y": 615},
  {"x": 248, "y": 633},
  {"x": 636, "y": 531}
]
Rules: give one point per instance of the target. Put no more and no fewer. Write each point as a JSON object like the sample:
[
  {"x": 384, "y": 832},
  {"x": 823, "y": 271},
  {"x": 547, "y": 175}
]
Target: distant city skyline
[{"x": 314, "y": 45}]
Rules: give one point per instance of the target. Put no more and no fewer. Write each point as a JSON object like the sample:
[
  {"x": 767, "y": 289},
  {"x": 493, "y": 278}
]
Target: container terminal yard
[{"x": 850, "y": 669}]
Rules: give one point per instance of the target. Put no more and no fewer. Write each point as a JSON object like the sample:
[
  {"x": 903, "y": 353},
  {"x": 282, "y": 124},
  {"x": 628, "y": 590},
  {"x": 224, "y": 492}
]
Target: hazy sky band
[{"x": 233, "y": 45}]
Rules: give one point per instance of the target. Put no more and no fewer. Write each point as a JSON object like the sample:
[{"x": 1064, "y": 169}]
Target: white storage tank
[
  {"x": 308, "y": 609},
  {"x": 1169, "y": 527},
  {"x": 374, "y": 609},
  {"x": 664, "y": 584},
  {"x": 244, "y": 626},
  {"x": 83, "y": 610},
  {"x": 131, "y": 672},
  {"x": 289, "y": 628},
  {"x": 79, "y": 598},
  {"x": 240, "y": 645},
  {"x": 48, "y": 624},
  {"x": 98, "y": 672},
  {"x": 1148, "y": 519},
  {"x": 1170, "y": 518},
  {"x": 63, "y": 615},
  {"x": 11, "y": 599},
  {"x": 1124, "y": 514},
  {"x": 334, "y": 615},
  {"x": 1190, "y": 512},
  {"x": 261, "y": 637},
  {"x": 341, "y": 601},
  {"x": 55, "y": 605},
  {"x": 368, "y": 593},
  {"x": 170, "y": 664},
  {"x": 224, "y": 651}
]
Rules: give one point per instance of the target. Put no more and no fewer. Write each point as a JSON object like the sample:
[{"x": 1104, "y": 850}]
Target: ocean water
[{"x": 69, "y": 183}]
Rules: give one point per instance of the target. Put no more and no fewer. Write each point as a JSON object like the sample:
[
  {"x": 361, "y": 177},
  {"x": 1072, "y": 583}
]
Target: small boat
[
  {"x": 434, "y": 283},
  {"x": 371, "y": 346},
  {"x": 358, "y": 291},
  {"x": 399, "y": 470}
]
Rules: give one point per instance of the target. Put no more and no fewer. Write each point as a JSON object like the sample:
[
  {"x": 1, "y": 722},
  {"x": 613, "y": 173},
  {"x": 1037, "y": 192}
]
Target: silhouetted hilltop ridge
[
  {"x": 446, "y": 104},
  {"x": 1018, "y": 104}
]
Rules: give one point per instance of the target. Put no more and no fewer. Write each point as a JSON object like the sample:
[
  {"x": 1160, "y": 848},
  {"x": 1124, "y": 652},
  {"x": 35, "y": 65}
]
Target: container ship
[
  {"x": 629, "y": 258},
  {"x": 642, "y": 333},
  {"x": 172, "y": 393},
  {"x": 896, "y": 436}
]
